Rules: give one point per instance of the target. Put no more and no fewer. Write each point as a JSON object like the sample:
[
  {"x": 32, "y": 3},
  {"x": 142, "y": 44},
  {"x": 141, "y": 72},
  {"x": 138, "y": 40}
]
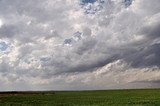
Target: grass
[{"x": 144, "y": 97}]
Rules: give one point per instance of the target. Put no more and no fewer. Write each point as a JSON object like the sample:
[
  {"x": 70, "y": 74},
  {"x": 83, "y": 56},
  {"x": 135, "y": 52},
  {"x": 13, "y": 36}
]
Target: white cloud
[{"x": 1, "y": 23}]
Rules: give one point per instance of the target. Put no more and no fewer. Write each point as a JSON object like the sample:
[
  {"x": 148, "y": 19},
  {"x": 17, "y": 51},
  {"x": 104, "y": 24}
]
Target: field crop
[{"x": 143, "y": 97}]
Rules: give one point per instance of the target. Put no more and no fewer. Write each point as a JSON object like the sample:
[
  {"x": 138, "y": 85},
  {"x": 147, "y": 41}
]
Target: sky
[{"x": 79, "y": 44}]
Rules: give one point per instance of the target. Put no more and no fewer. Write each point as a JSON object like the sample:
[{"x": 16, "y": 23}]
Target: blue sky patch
[
  {"x": 88, "y": 1},
  {"x": 3, "y": 46}
]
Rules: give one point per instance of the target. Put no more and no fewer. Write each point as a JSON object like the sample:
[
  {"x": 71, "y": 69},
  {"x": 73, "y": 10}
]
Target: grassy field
[{"x": 145, "y": 97}]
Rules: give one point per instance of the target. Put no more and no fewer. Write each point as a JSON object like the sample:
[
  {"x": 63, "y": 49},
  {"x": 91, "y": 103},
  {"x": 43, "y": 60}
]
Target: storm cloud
[{"x": 79, "y": 44}]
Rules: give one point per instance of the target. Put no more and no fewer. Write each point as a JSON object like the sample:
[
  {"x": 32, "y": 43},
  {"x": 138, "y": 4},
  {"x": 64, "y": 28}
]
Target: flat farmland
[{"x": 139, "y": 97}]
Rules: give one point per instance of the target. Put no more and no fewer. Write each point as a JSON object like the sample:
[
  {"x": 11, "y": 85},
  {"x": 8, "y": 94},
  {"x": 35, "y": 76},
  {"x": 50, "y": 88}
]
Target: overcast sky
[{"x": 79, "y": 44}]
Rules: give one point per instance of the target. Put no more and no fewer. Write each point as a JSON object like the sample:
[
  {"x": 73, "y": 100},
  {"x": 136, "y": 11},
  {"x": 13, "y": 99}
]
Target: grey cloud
[
  {"x": 147, "y": 56},
  {"x": 149, "y": 81},
  {"x": 152, "y": 32},
  {"x": 84, "y": 67},
  {"x": 8, "y": 31},
  {"x": 147, "y": 8},
  {"x": 4, "y": 67},
  {"x": 37, "y": 29},
  {"x": 85, "y": 46}
]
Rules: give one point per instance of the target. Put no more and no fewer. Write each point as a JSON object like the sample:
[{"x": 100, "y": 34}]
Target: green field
[{"x": 145, "y": 97}]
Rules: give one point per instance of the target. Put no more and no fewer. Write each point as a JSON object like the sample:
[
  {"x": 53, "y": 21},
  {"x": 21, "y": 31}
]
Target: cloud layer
[{"x": 79, "y": 44}]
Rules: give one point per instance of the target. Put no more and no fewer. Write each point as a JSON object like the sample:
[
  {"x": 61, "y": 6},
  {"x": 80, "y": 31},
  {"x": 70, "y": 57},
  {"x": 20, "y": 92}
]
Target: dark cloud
[
  {"x": 152, "y": 32},
  {"x": 145, "y": 57},
  {"x": 147, "y": 53},
  {"x": 84, "y": 67}
]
